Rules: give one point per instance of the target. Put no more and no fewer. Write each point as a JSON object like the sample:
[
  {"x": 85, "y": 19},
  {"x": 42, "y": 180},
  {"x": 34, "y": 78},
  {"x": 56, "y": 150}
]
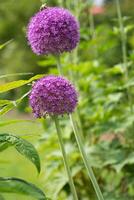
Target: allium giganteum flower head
[
  {"x": 53, "y": 95},
  {"x": 53, "y": 30}
]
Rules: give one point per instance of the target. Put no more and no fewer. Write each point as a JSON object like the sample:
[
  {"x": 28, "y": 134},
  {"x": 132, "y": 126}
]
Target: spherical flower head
[
  {"x": 53, "y": 95},
  {"x": 53, "y": 30}
]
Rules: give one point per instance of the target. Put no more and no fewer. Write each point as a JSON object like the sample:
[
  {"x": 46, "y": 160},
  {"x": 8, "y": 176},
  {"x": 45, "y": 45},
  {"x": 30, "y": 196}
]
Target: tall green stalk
[
  {"x": 124, "y": 50},
  {"x": 71, "y": 183},
  {"x": 79, "y": 140},
  {"x": 62, "y": 3},
  {"x": 59, "y": 67},
  {"x": 85, "y": 159},
  {"x": 60, "y": 70},
  {"x": 78, "y": 137},
  {"x": 74, "y": 57},
  {"x": 93, "y": 31}
]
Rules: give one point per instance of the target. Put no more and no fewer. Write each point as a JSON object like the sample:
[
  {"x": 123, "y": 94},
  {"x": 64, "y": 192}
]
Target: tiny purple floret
[
  {"x": 53, "y": 30},
  {"x": 52, "y": 95}
]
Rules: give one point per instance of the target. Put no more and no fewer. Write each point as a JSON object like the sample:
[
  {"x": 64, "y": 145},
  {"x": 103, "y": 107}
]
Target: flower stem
[
  {"x": 71, "y": 183},
  {"x": 59, "y": 67},
  {"x": 124, "y": 50},
  {"x": 93, "y": 32},
  {"x": 85, "y": 160}
]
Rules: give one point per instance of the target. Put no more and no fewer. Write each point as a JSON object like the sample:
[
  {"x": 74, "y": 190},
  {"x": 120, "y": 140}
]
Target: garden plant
[{"x": 66, "y": 101}]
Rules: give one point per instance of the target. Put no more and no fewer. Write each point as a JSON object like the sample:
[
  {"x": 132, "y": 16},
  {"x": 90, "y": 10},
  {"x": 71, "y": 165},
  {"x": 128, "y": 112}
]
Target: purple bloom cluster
[
  {"x": 53, "y": 30},
  {"x": 53, "y": 95}
]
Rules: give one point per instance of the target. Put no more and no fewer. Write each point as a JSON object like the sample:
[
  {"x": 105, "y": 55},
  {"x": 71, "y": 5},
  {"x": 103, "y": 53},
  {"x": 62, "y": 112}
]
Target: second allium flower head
[
  {"x": 53, "y": 31},
  {"x": 53, "y": 95}
]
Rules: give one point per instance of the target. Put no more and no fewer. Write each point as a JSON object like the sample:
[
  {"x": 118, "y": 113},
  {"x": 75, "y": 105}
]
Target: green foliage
[
  {"x": 22, "y": 146},
  {"x": 15, "y": 74},
  {"x": 15, "y": 185},
  {"x": 6, "y": 43},
  {"x": 2, "y": 198},
  {"x": 15, "y": 84},
  {"x": 7, "y": 105},
  {"x": 105, "y": 108}
]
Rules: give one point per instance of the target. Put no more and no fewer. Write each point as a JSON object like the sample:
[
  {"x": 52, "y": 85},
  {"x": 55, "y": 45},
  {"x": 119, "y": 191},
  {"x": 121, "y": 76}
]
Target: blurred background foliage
[{"x": 105, "y": 111}]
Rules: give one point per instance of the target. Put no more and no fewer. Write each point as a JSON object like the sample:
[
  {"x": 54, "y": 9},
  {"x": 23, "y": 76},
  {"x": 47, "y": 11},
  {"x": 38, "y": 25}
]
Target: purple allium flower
[
  {"x": 53, "y": 95},
  {"x": 53, "y": 30}
]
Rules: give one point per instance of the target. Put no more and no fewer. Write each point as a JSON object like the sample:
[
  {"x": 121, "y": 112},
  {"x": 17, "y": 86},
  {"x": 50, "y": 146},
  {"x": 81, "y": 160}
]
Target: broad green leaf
[
  {"x": 22, "y": 146},
  {"x": 15, "y": 84},
  {"x": 110, "y": 153},
  {"x": 19, "y": 186},
  {"x": 4, "y": 146},
  {"x": 127, "y": 161}
]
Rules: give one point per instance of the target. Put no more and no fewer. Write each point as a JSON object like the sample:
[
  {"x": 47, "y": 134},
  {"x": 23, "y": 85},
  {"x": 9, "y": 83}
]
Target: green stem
[
  {"x": 92, "y": 25},
  {"x": 43, "y": 1},
  {"x": 93, "y": 32},
  {"x": 68, "y": 4},
  {"x": 124, "y": 50},
  {"x": 59, "y": 67},
  {"x": 76, "y": 5},
  {"x": 71, "y": 183},
  {"x": 79, "y": 125},
  {"x": 85, "y": 160},
  {"x": 62, "y": 3},
  {"x": 123, "y": 38}
]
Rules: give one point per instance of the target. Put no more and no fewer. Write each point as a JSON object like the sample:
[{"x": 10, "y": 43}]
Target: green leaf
[
  {"x": 8, "y": 122},
  {"x": 6, "y": 109},
  {"x": 21, "y": 98},
  {"x": 22, "y": 146},
  {"x": 16, "y": 74},
  {"x": 19, "y": 186},
  {"x": 5, "y": 44},
  {"x": 15, "y": 84},
  {"x": 5, "y": 102},
  {"x": 126, "y": 161},
  {"x": 116, "y": 30},
  {"x": 129, "y": 28},
  {"x": 9, "y": 105},
  {"x": 4, "y": 146},
  {"x": 130, "y": 83}
]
